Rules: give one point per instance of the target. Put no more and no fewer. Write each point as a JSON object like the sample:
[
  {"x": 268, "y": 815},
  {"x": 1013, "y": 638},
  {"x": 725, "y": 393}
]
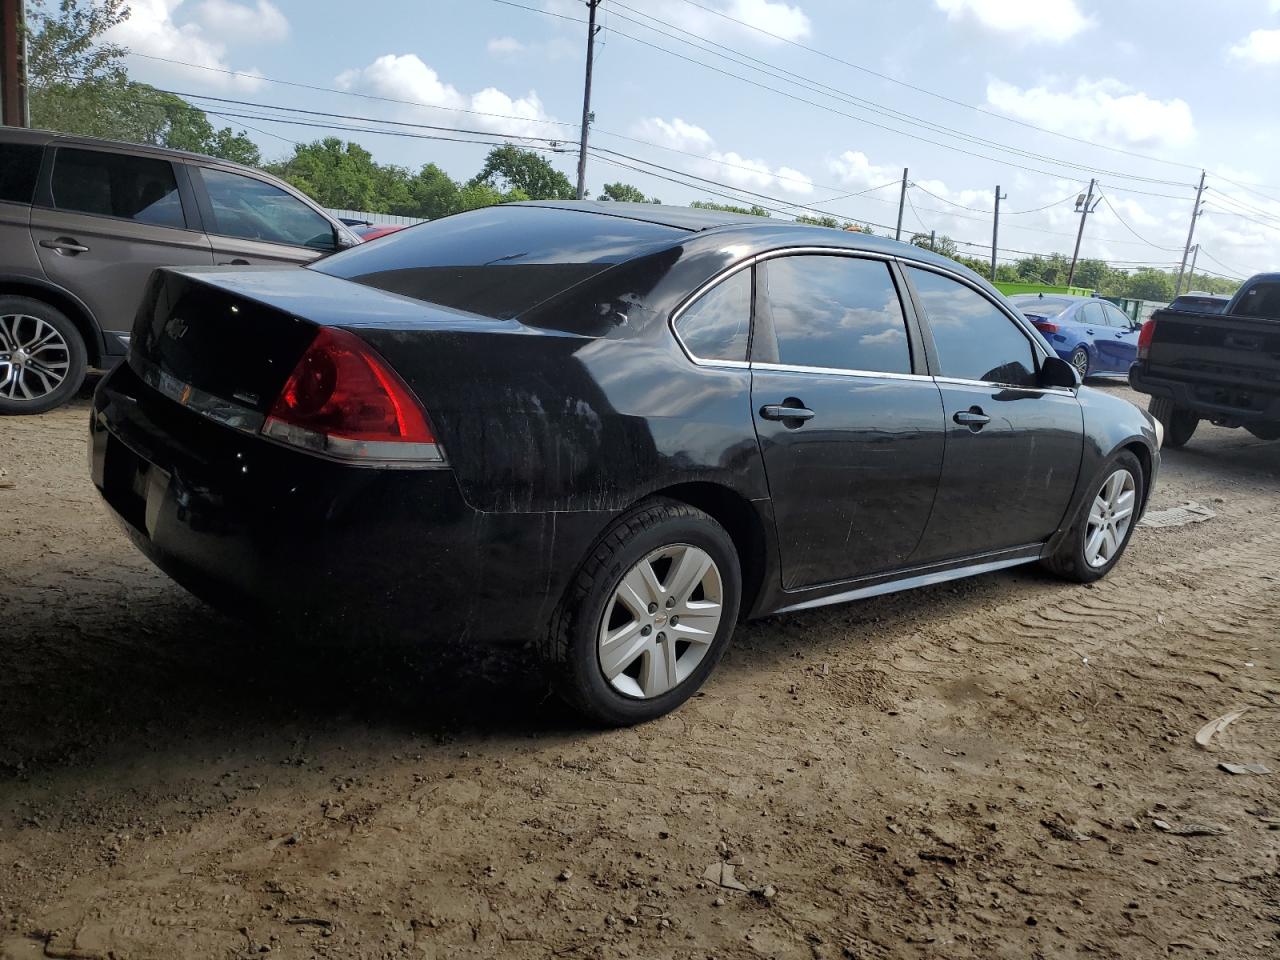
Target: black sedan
[{"x": 613, "y": 430}]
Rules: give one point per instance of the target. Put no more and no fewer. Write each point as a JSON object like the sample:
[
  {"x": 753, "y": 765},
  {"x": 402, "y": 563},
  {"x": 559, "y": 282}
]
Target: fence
[{"x": 379, "y": 219}]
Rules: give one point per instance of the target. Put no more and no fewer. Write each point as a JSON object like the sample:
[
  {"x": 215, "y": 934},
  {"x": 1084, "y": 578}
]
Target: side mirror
[
  {"x": 342, "y": 241},
  {"x": 1056, "y": 372}
]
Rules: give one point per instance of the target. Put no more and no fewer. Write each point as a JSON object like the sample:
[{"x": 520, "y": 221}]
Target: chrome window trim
[
  {"x": 751, "y": 261},
  {"x": 836, "y": 371},
  {"x": 987, "y": 384}
]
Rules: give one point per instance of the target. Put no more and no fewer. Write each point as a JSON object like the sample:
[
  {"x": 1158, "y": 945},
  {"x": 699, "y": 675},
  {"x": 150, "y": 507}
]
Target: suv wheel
[
  {"x": 1179, "y": 423},
  {"x": 648, "y": 616},
  {"x": 42, "y": 356}
]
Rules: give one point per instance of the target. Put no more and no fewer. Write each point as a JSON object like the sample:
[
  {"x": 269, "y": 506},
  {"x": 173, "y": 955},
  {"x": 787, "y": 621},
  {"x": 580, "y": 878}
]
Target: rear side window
[
  {"x": 717, "y": 326},
  {"x": 837, "y": 312},
  {"x": 19, "y": 167},
  {"x": 142, "y": 189},
  {"x": 974, "y": 338},
  {"x": 1262, "y": 300},
  {"x": 252, "y": 209}
]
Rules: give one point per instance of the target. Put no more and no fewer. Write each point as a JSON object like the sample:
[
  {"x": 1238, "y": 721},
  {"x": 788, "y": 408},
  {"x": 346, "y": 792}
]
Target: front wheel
[
  {"x": 1178, "y": 422},
  {"x": 1104, "y": 524},
  {"x": 648, "y": 616}
]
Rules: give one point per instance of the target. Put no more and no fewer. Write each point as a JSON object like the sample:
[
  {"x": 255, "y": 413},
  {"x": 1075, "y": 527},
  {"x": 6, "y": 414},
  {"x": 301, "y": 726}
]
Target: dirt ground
[{"x": 999, "y": 768}]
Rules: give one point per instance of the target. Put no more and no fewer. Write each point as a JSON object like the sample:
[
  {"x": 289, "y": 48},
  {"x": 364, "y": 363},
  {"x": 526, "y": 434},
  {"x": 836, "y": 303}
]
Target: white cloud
[
  {"x": 1260, "y": 47},
  {"x": 1105, "y": 110},
  {"x": 151, "y": 30},
  {"x": 785, "y": 21},
  {"x": 503, "y": 46},
  {"x": 1051, "y": 21},
  {"x": 261, "y": 22},
  {"x": 405, "y": 77},
  {"x": 727, "y": 167}
]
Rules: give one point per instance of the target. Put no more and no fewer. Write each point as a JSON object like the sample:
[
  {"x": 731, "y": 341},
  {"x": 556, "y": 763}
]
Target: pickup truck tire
[
  {"x": 1265, "y": 431},
  {"x": 1071, "y": 560},
  {"x": 1178, "y": 422}
]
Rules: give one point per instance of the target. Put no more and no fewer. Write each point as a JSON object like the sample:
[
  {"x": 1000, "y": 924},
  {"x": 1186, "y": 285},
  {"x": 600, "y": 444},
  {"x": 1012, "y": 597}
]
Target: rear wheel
[
  {"x": 1080, "y": 360},
  {"x": 1264, "y": 431},
  {"x": 1178, "y": 422},
  {"x": 1102, "y": 527},
  {"x": 649, "y": 615},
  {"x": 42, "y": 356}
]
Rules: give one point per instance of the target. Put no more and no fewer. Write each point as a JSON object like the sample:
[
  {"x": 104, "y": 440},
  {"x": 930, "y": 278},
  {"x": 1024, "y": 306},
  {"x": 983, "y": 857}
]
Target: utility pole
[
  {"x": 1085, "y": 204},
  {"x": 995, "y": 232},
  {"x": 1191, "y": 276},
  {"x": 586, "y": 98},
  {"x": 1191, "y": 232},
  {"x": 933, "y": 238},
  {"x": 902, "y": 202},
  {"x": 13, "y": 65}
]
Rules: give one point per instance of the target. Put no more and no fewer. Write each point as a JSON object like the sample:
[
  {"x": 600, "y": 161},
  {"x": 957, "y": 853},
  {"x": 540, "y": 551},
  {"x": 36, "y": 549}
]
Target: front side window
[
  {"x": 1116, "y": 317},
  {"x": 142, "y": 189},
  {"x": 837, "y": 312},
  {"x": 254, "y": 210},
  {"x": 975, "y": 339},
  {"x": 1093, "y": 315},
  {"x": 717, "y": 326}
]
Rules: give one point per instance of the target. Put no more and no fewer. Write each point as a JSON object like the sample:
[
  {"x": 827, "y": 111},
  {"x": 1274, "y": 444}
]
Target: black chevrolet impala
[{"x": 611, "y": 429}]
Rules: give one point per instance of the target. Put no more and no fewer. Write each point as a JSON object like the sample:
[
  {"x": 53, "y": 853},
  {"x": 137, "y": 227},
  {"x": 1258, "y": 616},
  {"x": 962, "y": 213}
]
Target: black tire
[
  {"x": 1069, "y": 561},
  {"x": 1178, "y": 422},
  {"x": 571, "y": 648},
  {"x": 46, "y": 394},
  {"x": 1080, "y": 360},
  {"x": 1264, "y": 431}
]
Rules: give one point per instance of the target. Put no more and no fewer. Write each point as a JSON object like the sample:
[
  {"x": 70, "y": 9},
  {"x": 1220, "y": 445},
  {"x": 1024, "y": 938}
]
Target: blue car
[{"x": 1092, "y": 335}]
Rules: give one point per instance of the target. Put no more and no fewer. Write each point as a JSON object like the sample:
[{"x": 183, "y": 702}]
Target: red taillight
[
  {"x": 343, "y": 401},
  {"x": 1144, "y": 338},
  {"x": 1045, "y": 327}
]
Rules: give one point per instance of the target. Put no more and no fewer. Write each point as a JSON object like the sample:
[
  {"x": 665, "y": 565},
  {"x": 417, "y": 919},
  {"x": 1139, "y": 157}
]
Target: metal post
[
  {"x": 902, "y": 202},
  {"x": 1191, "y": 232},
  {"x": 13, "y": 66},
  {"x": 586, "y": 98},
  {"x": 933, "y": 238},
  {"x": 995, "y": 233},
  {"x": 1084, "y": 214}
]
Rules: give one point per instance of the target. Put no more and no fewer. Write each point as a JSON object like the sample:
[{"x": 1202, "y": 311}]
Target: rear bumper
[
  {"x": 256, "y": 528},
  {"x": 1222, "y": 403}
]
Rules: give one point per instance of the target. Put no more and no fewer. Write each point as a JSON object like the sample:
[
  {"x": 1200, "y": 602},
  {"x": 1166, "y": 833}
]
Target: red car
[{"x": 373, "y": 231}]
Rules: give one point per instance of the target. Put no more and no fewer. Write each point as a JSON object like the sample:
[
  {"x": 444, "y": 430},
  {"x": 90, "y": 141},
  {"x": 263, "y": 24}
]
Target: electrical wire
[{"x": 1125, "y": 223}]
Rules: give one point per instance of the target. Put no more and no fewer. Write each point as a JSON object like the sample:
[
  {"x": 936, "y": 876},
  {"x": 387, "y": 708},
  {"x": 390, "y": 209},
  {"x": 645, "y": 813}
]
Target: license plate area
[{"x": 134, "y": 486}]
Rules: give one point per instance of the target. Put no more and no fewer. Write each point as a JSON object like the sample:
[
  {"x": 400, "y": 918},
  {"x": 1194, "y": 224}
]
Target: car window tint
[
  {"x": 837, "y": 312},
  {"x": 254, "y": 210},
  {"x": 19, "y": 167},
  {"x": 717, "y": 325},
  {"x": 116, "y": 185},
  {"x": 1115, "y": 316},
  {"x": 975, "y": 339},
  {"x": 1262, "y": 300},
  {"x": 1091, "y": 313}
]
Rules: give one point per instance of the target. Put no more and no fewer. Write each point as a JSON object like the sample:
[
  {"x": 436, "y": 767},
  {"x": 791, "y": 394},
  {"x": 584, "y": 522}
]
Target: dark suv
[{"x": 83, "y": 223}]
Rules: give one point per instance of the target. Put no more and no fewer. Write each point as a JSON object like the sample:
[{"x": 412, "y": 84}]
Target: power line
[
  {"x": 1125, "y": 223},
  {"x": 1224, "y": 266}
]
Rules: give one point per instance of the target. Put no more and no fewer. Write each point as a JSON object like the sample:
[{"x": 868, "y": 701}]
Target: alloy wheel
[
  {"x": 34, "y": 357},
  {"x": 661, "y": 621},
  {"x": 1109, "y": 518},
  {"x": 1080, "y": 360}
]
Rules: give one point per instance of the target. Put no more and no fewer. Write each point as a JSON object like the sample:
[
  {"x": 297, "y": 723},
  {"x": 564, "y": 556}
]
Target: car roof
[
  {"x": 681, "y": 218},
  {"x": 44, "y": 137}
]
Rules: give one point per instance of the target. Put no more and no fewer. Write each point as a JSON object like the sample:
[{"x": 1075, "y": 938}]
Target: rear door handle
[
  {"x": 780, "y": 411},
  {"x": 973, "y": 418},
  {"x": 64, "y": 245}
]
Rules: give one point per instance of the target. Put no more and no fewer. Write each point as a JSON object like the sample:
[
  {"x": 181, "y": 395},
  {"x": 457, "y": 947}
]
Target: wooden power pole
[
  {"x": 586, "y": 98},
  {"x": 902, "y": 202},
  {"x": 995, "y": 232},
  {"x": 1191, "y": 232}
]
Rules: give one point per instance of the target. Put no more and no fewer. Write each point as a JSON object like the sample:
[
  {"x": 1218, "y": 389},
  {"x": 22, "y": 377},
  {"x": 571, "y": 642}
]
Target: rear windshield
[
  {"x": 1040, "y": 306},
  {"x": 500, "y": 261},
  {"x": 1261, "y": 300}
]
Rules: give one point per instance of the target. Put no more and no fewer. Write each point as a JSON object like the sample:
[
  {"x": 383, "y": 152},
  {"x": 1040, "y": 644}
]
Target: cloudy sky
[{"x": 796, "y": 105}]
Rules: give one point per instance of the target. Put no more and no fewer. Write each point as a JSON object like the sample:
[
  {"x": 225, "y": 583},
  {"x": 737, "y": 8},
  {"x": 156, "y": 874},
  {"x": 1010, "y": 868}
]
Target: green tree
[
  {"x": 510, "y": 169},
  {"x": 943, "y": 244},
  {"x": 1149, "y": 284},
  {"x": 344, "y": 175},
  {"x": 729, "y": 208},
  {"x": 625, "y": 193}
]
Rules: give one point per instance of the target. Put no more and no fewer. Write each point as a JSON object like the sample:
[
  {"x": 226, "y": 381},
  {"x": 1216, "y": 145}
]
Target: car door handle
[
  {"x": 1120, "y": 335},
  {"x": 237, "y": 262},
  {"x": 973, "y": 418},
  {"x": 781, "y": 411},
  {"x": 1089, "y": 332},
  {"x": 64, "y": 245}
]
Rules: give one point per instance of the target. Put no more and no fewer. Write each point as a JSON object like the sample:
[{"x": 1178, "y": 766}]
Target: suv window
[
  {"x": 250, "y": 209},
  {"x": 19, "y": 168},
  {"x": 142, "y": 189},
  {"x": 837, "y": 312},
  {"x": 975, "y": 339},
  {"x": 718, "y": 324}
]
